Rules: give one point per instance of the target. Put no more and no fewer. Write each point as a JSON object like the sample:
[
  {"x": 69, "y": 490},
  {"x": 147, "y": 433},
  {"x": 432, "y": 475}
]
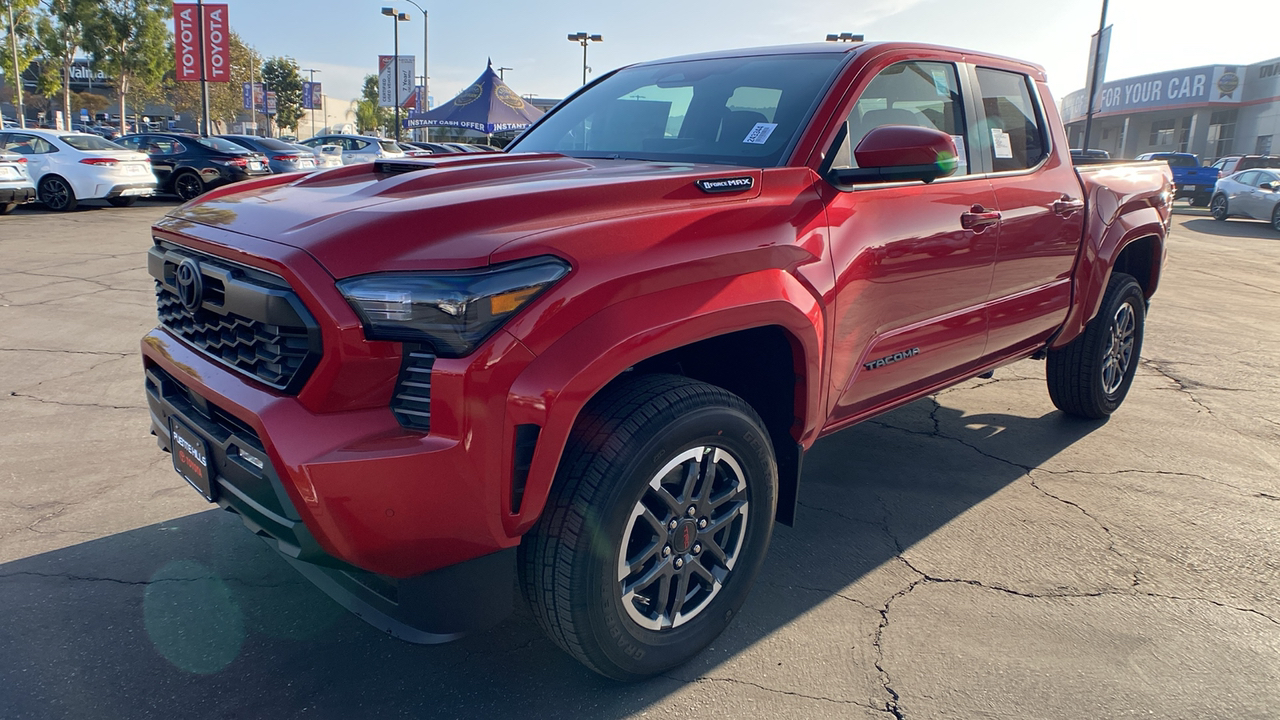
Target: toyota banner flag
[
  {"x": 201, "y": 42},
  {"x": 310, "y": 95}
]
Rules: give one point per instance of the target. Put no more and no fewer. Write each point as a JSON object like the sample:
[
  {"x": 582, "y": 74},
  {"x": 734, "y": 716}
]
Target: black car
[
  {"x": 187, "y": 165},
  {"x": 281, "y": 156}
]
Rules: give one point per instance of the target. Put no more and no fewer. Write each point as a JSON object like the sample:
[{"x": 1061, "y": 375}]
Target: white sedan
[{"x": 68, "y": 167}]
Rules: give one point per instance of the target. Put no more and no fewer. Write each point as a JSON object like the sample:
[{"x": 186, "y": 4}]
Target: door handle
[
  {"x": 978, "y": 218},
  {"x": 1066, "y": 206}
]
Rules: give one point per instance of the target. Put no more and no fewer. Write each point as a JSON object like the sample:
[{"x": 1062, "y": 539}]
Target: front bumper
[{"x": 432, "y": 607}]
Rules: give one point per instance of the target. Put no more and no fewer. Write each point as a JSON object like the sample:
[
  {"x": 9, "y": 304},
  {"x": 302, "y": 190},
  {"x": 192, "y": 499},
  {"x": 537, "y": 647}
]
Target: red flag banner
[
  {"x": 186, "y": 41},
  {"x": 217, "y": 44}
]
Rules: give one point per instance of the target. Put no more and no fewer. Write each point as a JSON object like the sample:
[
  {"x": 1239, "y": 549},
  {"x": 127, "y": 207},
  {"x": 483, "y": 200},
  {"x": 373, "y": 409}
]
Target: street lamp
[
  {"x": 583, "y": 38},
  {"x": 501, "y": 76},
  {"x": 313, "y": 98},
  {"x": 844, "y": 37},
  {"x": 426, "y": 90},
  {"x": 396, "y": 18}
]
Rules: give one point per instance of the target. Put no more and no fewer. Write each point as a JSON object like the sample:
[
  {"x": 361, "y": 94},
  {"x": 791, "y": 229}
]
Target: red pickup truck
[{"x": 594, "y": 362}]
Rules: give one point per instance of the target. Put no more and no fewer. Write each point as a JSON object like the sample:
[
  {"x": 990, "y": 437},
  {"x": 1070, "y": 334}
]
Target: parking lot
[{"x": 974, "y": 554}]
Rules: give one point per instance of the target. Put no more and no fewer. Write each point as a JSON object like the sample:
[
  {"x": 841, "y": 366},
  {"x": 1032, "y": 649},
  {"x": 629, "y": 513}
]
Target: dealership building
[{"x": 1211, "y": 111}]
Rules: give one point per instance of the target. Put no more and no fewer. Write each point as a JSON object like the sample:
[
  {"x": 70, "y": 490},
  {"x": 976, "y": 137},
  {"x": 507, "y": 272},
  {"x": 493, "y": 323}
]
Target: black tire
[
  {"x": 1275, "y": 218},
  {"x": 1218, "y": 206},
  {"x": 595, "y": 521},
  {"x": 7, "y": 208},
  {"x": 123, "y": 201},
  {"x": 56, "y": 194},
  {"x": 188, "y": 185},
  {"x": 1090, "y": 376},
  {"x": 1199, "y": 200}
]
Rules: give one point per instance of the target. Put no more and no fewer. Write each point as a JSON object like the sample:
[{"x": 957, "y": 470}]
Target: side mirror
[
  {"x": 901, "y": 153},
  {"x": 1269, "y": 187}
]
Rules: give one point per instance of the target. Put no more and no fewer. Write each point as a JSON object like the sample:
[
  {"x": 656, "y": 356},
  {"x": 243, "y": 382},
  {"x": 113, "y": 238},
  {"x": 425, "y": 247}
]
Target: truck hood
[{"x": 446, "y": 213}]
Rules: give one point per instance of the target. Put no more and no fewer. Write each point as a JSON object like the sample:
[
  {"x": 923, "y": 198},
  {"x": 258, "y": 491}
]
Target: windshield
[
  {"x": 220, "y": 145},
  {"x": 733, "y": 111},
  {"x": 1181, "y": 161},
  {"x": 89, "y": 142}
]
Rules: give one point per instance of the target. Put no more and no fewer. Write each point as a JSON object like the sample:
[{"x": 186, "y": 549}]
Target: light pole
[
  {"x": 396, "y": 19},
  {"x": 426, "y": 91},
  {"x": 502, "y": 76},
  {"x": 584, "y": 38},
  {"x": 313, "y": 97},
  {"x": 844, "y": 37}
]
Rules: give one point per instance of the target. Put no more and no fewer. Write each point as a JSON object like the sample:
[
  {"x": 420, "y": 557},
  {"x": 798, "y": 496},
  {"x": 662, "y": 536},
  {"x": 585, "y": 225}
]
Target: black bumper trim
[{"x": 20, "y": 196}]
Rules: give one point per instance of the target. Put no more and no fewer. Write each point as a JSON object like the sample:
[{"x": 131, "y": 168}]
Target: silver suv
[
  {"x": 16, "y": 187},
  {"x": 358, "y": 148}
]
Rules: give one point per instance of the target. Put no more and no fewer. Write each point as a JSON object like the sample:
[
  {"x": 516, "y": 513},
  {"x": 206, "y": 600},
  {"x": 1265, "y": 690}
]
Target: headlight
[{"x": 454, "y": 311}]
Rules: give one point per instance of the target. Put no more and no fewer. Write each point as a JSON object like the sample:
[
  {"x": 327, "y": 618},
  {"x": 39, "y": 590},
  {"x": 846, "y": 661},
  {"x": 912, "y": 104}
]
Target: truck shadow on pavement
[
  {"x": 1233, "y": 227},
  {"x": 197, "y": 618}
]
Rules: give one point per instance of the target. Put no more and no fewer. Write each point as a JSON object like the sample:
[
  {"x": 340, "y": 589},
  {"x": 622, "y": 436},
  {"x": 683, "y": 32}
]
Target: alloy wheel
[
  {"x": 683, "y": 538},
  {"x": 1119, "y": 353}
]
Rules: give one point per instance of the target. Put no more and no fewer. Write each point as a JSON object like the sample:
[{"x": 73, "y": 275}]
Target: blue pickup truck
[{"x": 1190, "y": 180}]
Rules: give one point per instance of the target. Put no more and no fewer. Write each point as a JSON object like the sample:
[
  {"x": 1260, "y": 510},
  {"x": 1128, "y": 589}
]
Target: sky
[{"x": 342, "y": 38}]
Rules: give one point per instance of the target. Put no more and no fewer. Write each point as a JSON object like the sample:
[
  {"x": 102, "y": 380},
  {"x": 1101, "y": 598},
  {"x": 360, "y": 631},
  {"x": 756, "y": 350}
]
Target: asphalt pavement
[{"x": 973, "y": 555}]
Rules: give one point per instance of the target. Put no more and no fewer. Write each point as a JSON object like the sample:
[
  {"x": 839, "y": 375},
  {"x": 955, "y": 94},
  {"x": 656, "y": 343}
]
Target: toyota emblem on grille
[{"x": 190, "y": 284}]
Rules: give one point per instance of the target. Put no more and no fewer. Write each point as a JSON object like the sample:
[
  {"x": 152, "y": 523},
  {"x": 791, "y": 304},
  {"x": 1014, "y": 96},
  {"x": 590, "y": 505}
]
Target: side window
[
  {"x": 1016, "y": 131},
  {"x": 129, "y": 142},
  {"x": 27, "y": 145},
  {"x": 924, "y": 94},
  {"x": 1248, "y": 178}
]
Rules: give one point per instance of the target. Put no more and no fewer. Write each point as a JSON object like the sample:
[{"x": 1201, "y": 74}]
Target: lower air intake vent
[{"x": 412, "y": 401}]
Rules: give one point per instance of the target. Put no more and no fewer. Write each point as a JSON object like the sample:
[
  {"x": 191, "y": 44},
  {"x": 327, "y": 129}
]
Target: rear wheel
[
  {"x": 1275, "y": 217},
  {"x": 656, "y": 527},
  {"x": 123, "y": 201},
  {"x": 1090, "y": 376},
  {"x": 1218, "y": 206},
  {"x": 57, "y": 195},
  {"x": 188, "y": 185}
]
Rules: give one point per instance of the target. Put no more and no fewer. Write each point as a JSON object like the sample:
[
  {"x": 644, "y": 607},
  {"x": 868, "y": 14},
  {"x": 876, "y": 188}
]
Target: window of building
[
  {"x": 1222, "y": 132},
  {"x": 1162, "y": 132},
  {"x": 1264, "y": 145},
  {"x": 1184, "y": 133}
]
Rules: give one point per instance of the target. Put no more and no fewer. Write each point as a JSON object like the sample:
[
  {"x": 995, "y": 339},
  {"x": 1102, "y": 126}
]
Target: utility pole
[
  {"x": 1093, "y": 77},
  {"x": 17, "y": 73},
  {"x": 204, "y": 73},
  {"x": 502, "y": 76}
]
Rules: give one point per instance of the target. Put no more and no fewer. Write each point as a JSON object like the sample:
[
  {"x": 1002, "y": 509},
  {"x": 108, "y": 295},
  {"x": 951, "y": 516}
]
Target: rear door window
[{"x": 1012, "y": 127}]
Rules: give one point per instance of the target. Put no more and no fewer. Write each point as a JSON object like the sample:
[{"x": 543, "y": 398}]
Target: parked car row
[{"x": 67, "y": 168}]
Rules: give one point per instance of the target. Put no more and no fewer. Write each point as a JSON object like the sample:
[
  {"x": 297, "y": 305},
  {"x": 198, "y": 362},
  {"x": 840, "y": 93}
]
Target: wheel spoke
[
  {"x": 681, "y": 593},
  {"x": 660, "y": 572},
  {"x": 693, "y": 472}
]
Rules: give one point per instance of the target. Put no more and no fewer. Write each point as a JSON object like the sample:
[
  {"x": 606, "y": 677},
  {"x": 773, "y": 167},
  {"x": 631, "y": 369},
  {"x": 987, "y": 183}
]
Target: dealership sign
[
  {"x": 387, "y": 91},
  {"x": 1176, "y": 88},
  {"x": 202, "y": 43}
]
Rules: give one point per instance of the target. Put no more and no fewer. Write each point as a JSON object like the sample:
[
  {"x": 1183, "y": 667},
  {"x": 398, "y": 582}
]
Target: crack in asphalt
[
  {"x": 1111, "y": 544},
  {"x": 837, "y": 513},
  {"x": 69, "y": 352},
  {"x": 734, "y": 681},
  {"x": 70, "y": 404},
  {"x": 1182, "y": 385},
  {"x": 1235, "y": 281}
]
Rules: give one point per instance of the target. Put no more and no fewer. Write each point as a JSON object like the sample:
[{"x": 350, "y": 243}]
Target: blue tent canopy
[{"x": 488, "y": 106}]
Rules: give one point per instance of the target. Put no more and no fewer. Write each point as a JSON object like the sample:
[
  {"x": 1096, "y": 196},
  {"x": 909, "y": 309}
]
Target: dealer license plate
[
  {"x": 255, "y": 166},
  {"x": 134, "y": 169},
  {"x": 191, "y": 457}
]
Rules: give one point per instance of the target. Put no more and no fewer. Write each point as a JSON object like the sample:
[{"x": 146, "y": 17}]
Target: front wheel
[
  {"x": 1090, "y": 376},
  {"x": 1275, "y": 218},
  {"x": 1218, "y": 206},
  {"x": 656, "y": 527},
  {"x": 57, "y": 195}
]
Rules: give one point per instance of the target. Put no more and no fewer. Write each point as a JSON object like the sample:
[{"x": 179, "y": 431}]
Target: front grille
[
  {"x": 412, "y": 401},
  {"x": 249, "y": 320}
]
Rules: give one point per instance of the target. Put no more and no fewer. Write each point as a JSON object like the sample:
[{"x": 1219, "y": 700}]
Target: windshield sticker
[
  {"x": 961, "y": 161},
  {"x": 760, "y": 133},
  {"x": 1000, "y": 138},
  {"x": 940, "y": 82}
]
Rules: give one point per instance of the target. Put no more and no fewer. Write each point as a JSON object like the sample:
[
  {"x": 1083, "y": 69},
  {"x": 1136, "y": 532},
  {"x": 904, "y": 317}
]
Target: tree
[
  {"x": 59, "y": 32},
  {"x": 130, "y": 40},
  {"x": 226, "y": 100},
  {"x": 369, "y": 117},
  {"x": 20, "y": 46},
  {"x": 282, "y": 77}
]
